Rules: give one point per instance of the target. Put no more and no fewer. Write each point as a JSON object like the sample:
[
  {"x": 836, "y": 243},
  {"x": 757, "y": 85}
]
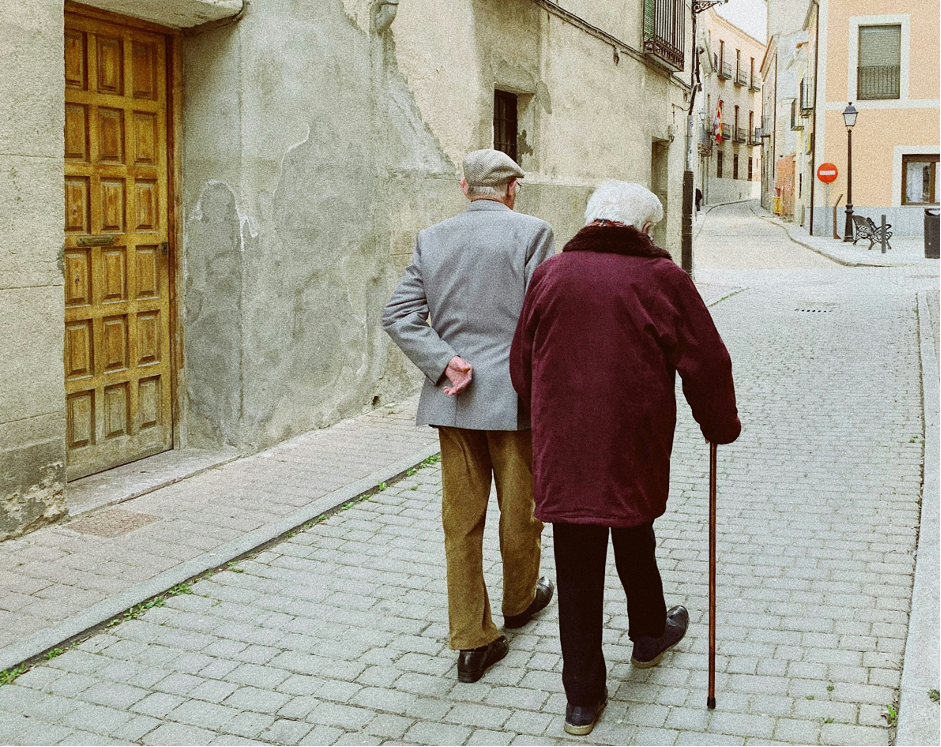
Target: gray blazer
[{"x": 470, "y": 274}]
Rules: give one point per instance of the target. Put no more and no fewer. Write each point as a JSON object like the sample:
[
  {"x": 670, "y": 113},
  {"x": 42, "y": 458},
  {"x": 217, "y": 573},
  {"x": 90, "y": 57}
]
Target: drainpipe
[
  {"x": 774, "y": 136},
  {"x": 813, "y": 145}
]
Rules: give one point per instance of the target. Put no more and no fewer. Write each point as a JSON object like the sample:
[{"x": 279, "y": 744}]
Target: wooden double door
[{"x": 117, "y": 267}]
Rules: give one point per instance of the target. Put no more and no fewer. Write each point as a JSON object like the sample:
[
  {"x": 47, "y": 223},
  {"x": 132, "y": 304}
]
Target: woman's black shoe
[
  {"x": 580, "y": 720},
  {"x": 649, "y": 651},
  {"x": 473, "y": 662}
]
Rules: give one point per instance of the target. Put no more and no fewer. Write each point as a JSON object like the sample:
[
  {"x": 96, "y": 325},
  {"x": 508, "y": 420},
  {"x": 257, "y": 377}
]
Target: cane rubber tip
[{"x": 711, "y": 703}]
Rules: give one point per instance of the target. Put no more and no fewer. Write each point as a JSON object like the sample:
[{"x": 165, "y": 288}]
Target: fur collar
[{"x": 615, "y": 240}]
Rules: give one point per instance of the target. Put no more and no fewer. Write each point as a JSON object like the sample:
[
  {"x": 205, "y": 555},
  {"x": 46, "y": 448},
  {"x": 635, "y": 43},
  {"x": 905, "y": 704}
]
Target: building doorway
[
  {"x": 659, "y": 185},
  {"x": 119, "y": 301}
]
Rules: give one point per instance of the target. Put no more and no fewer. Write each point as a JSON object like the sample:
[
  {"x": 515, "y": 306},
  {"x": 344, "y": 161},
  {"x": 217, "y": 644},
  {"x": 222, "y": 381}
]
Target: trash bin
[{"x": 932, "y": 218}]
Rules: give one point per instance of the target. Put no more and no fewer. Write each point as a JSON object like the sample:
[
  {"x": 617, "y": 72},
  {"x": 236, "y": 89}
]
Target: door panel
[{"x": 117, "y": 336}]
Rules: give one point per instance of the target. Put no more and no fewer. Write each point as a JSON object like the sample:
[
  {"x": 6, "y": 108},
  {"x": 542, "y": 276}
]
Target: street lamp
[{"x": 849, "y": 119}]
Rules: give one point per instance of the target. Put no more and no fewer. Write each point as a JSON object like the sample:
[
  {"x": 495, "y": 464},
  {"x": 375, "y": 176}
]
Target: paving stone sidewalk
[
  {"x": 904, "y": 251},
  {"x": 62, "y": 579},
  {"x": 337, "y": 635}
]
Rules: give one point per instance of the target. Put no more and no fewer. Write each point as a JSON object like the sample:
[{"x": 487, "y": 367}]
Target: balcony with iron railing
[
  {"x": 665, "y": 32},
  {"x": 740, "y": 133},
  {"x": 754, "y": 136},
  {"x": 807, "y": 95},
  {"x": 754, "y": 84},
  {"x": 740, "y": 78},
  {"x": 878, "y": 82},
  {"x": 706, "y": 139},
  {"x": 725, "y": 70}
]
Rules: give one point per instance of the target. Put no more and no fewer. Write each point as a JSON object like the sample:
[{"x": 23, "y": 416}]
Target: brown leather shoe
[
  {"x": 473, "y": 662},
  {"x": 544, "y": 589}
]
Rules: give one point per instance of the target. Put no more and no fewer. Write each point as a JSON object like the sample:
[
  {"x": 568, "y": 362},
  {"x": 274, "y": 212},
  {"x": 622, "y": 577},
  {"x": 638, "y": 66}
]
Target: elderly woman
[{"x": 605, "y": 327}]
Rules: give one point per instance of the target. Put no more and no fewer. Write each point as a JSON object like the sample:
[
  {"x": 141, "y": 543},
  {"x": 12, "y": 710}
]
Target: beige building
[
  {"x": 730, "y": 166},
  {"x": 202, "y": 259},
  {"x": 883, "y": 58},
  {"x": 785, "y": 52}
]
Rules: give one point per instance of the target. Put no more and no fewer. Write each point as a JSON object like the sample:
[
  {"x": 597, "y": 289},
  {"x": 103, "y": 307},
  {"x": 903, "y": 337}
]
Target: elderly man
[
  {"x": 605, "y": 327},
  {"x": 469, "y": 273}
]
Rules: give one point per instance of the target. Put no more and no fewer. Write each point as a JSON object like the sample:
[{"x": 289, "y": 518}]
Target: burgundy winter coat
[{"x": 605, "y": 326}]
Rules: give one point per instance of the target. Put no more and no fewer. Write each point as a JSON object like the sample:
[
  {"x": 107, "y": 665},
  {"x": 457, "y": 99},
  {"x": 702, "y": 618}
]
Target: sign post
[{"x": 827, "y": 173}]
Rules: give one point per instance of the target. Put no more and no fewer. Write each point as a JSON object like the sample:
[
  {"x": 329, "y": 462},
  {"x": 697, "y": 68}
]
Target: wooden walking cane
[{"x": 711, "y": 699}]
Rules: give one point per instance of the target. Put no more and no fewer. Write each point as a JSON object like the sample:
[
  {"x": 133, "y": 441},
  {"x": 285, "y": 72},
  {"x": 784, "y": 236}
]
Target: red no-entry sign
[{"x": 827, "y": 173}]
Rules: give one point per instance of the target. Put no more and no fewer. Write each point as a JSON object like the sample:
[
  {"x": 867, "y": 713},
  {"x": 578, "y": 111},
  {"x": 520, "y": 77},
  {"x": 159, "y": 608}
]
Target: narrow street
[{"x": 337, "y": 635}]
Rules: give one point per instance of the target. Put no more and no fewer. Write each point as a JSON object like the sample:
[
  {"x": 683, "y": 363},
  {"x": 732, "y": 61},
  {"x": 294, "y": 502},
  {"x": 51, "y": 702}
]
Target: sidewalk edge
[
  {"x": 806, "y": 245},
  {"x": 30, "y": 648},
  {"x": 918, "y": 720}
]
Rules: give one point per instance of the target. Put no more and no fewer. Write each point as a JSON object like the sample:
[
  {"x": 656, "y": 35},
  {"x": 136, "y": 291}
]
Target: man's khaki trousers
[{"x": 468, "y": 459}]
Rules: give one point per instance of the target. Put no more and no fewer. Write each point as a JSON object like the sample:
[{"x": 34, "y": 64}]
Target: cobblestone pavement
[
  {"x": 337, "y": 635},
  {"x": 60, "y": 571}
]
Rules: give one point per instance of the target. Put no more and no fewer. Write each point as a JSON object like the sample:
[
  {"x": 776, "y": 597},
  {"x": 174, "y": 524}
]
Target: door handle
[{"x": 164, "y": 248}]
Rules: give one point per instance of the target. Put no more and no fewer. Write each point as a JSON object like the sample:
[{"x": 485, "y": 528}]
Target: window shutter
[
  {"x": 880, "y": 53},
  {"x": 880, "y": 46}
]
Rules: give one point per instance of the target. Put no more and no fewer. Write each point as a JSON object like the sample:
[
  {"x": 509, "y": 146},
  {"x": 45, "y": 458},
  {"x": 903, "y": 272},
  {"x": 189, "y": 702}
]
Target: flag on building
[{"x": 717, "y": 123}]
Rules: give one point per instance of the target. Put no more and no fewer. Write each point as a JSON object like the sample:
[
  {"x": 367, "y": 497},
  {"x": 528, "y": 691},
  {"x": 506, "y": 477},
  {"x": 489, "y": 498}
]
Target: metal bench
[{"x": 866, "y": 229}]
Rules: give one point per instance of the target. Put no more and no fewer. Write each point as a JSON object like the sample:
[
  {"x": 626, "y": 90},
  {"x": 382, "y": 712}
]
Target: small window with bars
[
  {"x": 751, "y": 172},
  {"x": 719, "y": 159},
  {"x": 505, "y": 123},
  {"x": 878, "y": 73},
  {"x": 735, "y": 167}
]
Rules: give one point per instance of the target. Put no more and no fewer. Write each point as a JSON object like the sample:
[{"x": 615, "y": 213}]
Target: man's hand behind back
[{"x": 459, "y": 373}]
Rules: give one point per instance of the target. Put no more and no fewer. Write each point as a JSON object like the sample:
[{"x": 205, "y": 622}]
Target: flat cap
[{"x": 490, "y": 168}]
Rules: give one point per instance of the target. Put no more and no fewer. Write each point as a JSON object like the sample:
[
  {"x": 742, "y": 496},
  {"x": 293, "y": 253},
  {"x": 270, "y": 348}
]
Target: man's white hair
[
  {"x": 495, "y": 192},
  {"x": 624, "y": 202}
]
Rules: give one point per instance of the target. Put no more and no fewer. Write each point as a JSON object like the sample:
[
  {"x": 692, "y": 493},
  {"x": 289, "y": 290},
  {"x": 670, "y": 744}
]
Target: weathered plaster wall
[
  {"x": 585, "y": 117},
  {"x": 32, "y": 396},
  {"x": 294, "y": 194},
  {"x": 731, "y": 190},
  {"x": 313, "y": 150},
  {"x": 316, "y": 148},
  {"x": 786, "y": 16}
]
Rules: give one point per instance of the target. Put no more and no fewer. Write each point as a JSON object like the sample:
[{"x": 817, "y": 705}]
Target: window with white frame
[
  {"x": 878, "y": 73},
  {"x": 920, "y": 180}
]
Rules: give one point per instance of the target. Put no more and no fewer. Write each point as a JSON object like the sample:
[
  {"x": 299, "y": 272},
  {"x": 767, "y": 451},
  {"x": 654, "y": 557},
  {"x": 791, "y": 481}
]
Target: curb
[
  {"x": 706, "y": 209},
  {"x": 798, "y": 239},
  {"x": 159, "y": 484},
  {"x": 918, "y": 721},
  {"x": 727, "y": 296},
  {"x": 28, "y": 650},
  {"x": 812, "y": 248}
]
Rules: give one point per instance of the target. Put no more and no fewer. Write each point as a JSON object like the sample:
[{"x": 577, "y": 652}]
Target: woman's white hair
[{"x": 624, "y": 202}]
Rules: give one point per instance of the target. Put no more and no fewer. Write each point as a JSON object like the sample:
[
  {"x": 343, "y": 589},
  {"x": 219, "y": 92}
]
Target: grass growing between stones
[
  {"x": 8, "y": 675},
  {"x": 891, "y": 715}
]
